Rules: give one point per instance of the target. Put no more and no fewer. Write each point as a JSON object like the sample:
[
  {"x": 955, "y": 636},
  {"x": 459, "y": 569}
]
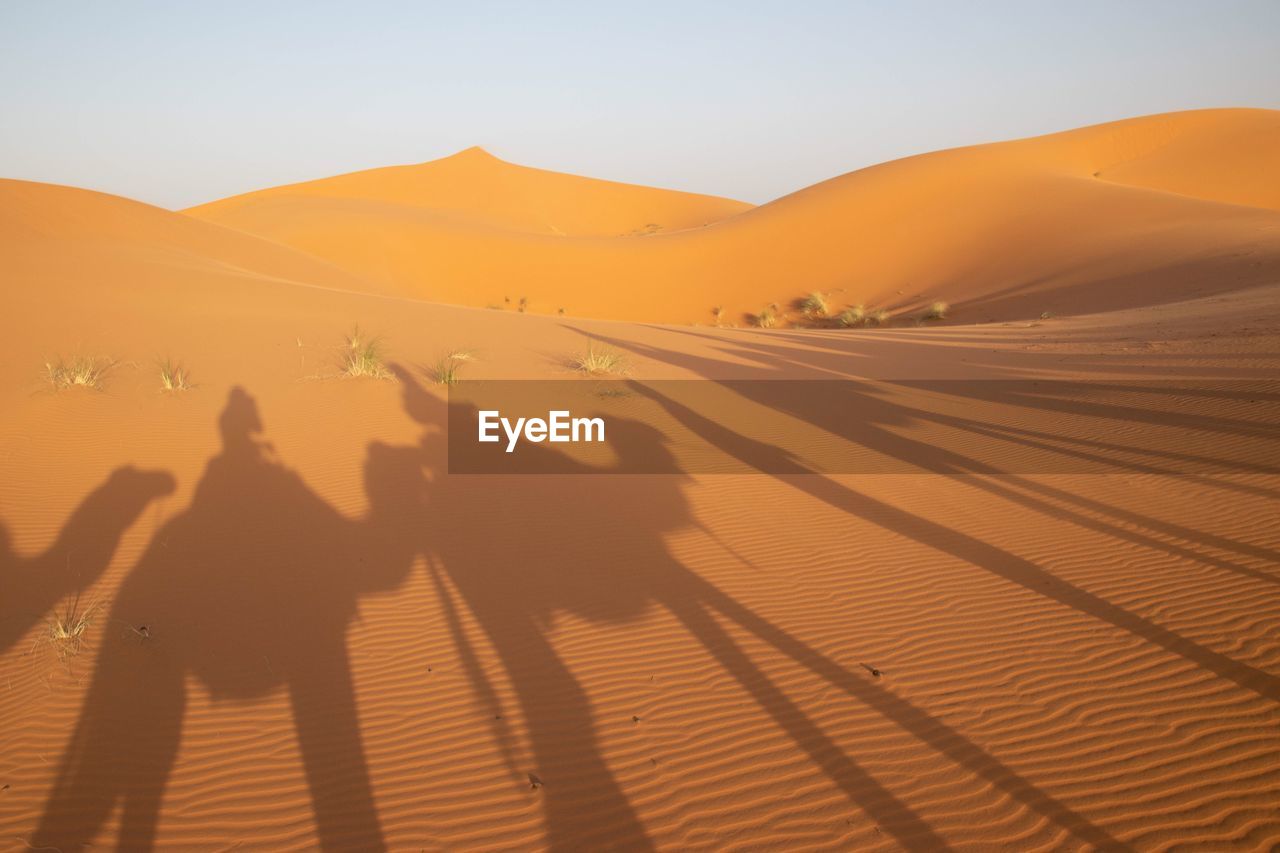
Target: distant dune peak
[{"x": 475, "y": 153}]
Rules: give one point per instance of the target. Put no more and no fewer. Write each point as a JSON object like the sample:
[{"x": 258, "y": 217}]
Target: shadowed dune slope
[{"x": 1126, "y": 214}]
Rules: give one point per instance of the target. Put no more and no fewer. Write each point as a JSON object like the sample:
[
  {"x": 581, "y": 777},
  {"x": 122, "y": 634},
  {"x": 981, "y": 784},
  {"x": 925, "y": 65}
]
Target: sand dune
[
  {"x": 1119, "y": 215},
  {"x": 347, "y": 647}
]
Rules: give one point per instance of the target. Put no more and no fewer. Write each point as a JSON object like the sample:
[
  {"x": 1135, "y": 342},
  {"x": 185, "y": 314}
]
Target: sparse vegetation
[
  {"x": 83, "y": 371},
  {"x": 1046, "y": 315},
  {"x": 362, "y": 356},
  {"x": 600, "y": 361},
  {"x": 813, "y": 305},
  {"x": 67, "y": 629},
  {"x": 560, "y": 311},
  {"x": 936, "y": 311},
  {"x": 767, "y": 318},
  {"x": 878, "y": 317},
  {"x": 447, "y": 369},
  {"x": 718, "y": 313},
  {"x": 852, "y": 316},
  {"x": 524, "y": 304},
  {"x": 174, "y": 377}
]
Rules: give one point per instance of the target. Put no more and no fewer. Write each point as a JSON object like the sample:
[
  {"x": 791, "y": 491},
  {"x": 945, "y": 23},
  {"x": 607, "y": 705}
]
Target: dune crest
[{"x": 475, "y": 189}]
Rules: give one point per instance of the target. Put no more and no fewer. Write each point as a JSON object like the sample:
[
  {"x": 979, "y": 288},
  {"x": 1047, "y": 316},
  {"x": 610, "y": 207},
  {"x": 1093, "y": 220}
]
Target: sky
[{"x": 177, "y": 103}]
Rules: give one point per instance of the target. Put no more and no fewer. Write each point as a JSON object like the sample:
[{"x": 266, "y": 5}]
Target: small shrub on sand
[
  {"x": 718, "y": 313},
  {"x": 600, "y": 361},
  {"x": 362, "y": 356},
  {"x": 174, "y": 377},
  {"x": 937, "y": 311},
  {"x": 852, "y": 316},
  {"x": 67, "y": 629},
  {"x": 813, "y": 305},
  {"x": 524, "y": 304},
  {"x": 83, "y": 371},
  {"x": 878, "y": 317},
  {"x": 767, "y": 318}
]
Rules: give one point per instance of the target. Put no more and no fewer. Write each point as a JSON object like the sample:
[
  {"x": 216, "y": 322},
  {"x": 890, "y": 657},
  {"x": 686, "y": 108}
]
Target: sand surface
[{"x": 303, "y": 632}]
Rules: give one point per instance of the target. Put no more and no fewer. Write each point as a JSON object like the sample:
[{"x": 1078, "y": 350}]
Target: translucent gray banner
[{"x": 581, "y": 426}]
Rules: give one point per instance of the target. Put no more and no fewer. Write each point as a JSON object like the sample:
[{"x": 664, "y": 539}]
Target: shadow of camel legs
[{"x": 556, "y": 566}]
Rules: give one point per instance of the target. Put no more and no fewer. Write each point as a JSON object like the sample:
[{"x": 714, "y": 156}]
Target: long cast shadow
[
  {"x": 567, "y": 536},
  {"x": 766, "y": 458},
  {"x": 249, "y": 590}
]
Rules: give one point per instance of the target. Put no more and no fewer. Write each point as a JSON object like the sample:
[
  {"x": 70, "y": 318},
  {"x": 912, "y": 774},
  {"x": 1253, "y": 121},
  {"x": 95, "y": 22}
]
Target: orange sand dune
[
  {"x": 475, "y": 189},
  {"x": 1120, "y": 215},
  {"x": 347, "y": 647}
]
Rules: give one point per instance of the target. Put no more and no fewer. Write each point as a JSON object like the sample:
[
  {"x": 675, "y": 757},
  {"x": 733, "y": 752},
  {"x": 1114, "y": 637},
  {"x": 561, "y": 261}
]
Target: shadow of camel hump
[{"x": 250, "y": 589}]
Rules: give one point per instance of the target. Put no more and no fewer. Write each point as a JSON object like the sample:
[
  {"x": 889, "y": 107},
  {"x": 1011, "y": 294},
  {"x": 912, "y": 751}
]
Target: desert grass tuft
[
  {"x": 937, "y": 311},
  {"x": 363, "y": 356},
  {"x": 767, "y": 318},
  {"x": 81, "y": 371},
  {"x": 718, "y": 313},
  {"x": 67, "y": 629},
  {"x": 813, "y": 305},
  {"x": 852, "y": 316},
  {"x": 878, "y": 317},
  {"x": 174, "y": 376},
  {"x": 447, "y": 369},
  {"x": 600, "y": 361}
]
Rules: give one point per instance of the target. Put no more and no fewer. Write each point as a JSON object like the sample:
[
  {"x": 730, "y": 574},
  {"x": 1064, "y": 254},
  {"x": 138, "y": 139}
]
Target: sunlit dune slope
[
  {"x": 475, "y": 189},
  {"x": 1126, "y": 214}
]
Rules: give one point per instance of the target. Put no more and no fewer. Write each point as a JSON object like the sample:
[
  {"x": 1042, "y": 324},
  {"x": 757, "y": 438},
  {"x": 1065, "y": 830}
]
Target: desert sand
[{"x": 302, "y": 632}]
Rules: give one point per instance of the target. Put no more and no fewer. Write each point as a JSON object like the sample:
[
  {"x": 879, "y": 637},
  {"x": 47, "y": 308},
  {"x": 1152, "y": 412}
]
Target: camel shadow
[
  {"x": 519, "y": 550},
  {"x": 248, "y": 590}
]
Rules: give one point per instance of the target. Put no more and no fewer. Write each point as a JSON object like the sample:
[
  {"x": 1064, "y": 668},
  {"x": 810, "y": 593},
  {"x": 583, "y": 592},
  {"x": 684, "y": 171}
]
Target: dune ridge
[{"x": 1002, "y": 231}]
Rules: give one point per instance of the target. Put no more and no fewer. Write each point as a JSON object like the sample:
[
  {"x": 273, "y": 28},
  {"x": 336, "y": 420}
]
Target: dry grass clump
[
  {"x": 767, "y": 318},
  {"x": 600, "y": 361},
  {"x": 852, "y": 316},
  {"x": 878, "y": 317},
  {"x": 718, "y": 313},
  {"x": 447, "y": 369},
  {"x": 813, "y": 305},
  {"x": 174, "y": 376},
  {"x": 67, "y": 629},
  {"x": 363, "y": 356},
  {"x": 937, "y": 311},
  {"x": 81, "y": 371}
]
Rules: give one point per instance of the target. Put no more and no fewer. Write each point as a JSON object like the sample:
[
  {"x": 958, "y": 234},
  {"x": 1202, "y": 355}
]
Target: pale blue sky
[{"x": 176, "y": 103}]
